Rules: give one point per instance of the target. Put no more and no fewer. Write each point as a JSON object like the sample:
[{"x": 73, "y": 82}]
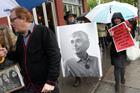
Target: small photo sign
[{"x": 10, "y": 79}]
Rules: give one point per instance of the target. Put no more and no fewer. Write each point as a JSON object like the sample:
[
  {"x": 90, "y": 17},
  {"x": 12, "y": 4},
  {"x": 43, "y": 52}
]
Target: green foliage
[
  {"x": 105, "y": 1},
  {"x": 91, "y": 3}
]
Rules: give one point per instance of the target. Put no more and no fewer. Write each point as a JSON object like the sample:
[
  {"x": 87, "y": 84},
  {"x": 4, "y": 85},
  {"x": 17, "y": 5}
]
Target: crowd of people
[{"x": 38, "y": 53}]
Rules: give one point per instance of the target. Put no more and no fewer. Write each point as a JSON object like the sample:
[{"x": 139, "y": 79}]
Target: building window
[{"x": 75, "y": 6}]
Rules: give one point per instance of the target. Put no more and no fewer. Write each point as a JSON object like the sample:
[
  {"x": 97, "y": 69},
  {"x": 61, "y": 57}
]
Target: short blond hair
[{"x": 23, "y": 13}]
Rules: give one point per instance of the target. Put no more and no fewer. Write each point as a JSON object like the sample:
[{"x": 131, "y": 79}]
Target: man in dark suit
[
  {"x": 83, "y": 65},
  {"x": 37, "y": 52}
]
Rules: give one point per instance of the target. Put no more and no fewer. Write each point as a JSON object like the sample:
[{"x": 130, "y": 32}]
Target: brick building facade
[{"x": 51, "y": 13}]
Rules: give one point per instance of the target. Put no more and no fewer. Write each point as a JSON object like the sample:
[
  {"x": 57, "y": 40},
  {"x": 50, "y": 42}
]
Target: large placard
[
  {"x": 121, "y": 37},
  {"x": 80, "y": 51}
]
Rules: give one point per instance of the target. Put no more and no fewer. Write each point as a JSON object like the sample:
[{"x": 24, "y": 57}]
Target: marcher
[
  {"x": 83, "y": 65},
  {"x": 102, "y": 33},
  {"x": 132, "y": 24},
  {"x": 36, "y": 51},
  {"x": 118, "y": 58},
  {"x": 70, "y": 18}
]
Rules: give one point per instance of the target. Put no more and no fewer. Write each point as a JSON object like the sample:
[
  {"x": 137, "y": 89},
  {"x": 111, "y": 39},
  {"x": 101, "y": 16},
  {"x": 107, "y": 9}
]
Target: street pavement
[
  {"x": 106, "y": 85},
  {"x": 88, "y": 85},
  {"x": 132, "y": 76}
]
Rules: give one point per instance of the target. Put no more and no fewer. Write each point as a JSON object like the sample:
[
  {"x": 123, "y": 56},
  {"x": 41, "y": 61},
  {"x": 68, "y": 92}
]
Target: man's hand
[{"x": 47, "y": 88}]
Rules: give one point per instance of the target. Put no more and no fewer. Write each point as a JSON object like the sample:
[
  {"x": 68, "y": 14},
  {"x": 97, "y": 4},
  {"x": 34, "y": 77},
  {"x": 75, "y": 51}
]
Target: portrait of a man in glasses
[{"x": 83, "y": 65}]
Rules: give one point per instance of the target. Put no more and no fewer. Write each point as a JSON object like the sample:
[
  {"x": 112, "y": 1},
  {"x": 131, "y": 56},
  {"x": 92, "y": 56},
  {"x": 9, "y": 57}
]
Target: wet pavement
[
  {"x": 106, "y": 85},
  {"x": 132, "y": 77},
  {"x": 88, "y": 85}
]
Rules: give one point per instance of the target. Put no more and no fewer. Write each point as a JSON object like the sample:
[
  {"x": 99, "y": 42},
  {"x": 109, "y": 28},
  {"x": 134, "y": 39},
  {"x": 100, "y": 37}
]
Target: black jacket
[
  {"x": 40, "y": 59},
  {"x": 113, "y": 53}
]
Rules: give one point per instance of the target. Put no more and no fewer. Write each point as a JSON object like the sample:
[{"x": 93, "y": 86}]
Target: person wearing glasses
[
  {"x": 83, "y": 65},
  {"x": 37, "y": 53}
]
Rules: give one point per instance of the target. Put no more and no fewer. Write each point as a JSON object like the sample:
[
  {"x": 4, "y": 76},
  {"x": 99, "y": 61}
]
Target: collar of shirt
[
  {"x": 30, "y": 30},
  {"x": 84, "y": 60}
]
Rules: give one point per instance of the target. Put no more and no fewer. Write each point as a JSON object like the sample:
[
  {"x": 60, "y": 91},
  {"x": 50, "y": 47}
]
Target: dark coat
[
  {"x": 40, "y": 59},
  {"x": 113, "y": 53}
]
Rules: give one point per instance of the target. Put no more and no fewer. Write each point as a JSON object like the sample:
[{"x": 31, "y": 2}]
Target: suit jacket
[{"x": 40, "y": 58}]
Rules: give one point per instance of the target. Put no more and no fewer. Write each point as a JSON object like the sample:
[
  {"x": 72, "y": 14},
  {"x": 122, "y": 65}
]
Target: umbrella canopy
[
  {"x": 102, "y": 13},
  {"x": 7, "y": 5}
]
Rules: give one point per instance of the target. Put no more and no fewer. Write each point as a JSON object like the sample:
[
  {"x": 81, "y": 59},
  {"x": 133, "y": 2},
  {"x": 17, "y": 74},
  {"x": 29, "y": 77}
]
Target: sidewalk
[
  {"x": 132, "y": 84},
  {"x": 86, "y": 86}
]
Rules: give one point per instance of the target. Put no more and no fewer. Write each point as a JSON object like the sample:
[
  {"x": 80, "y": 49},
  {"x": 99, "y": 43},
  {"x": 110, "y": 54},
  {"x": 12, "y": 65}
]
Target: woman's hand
[
  {"x": 111, "y": 33},
  {"x": 129, "y": 29}
]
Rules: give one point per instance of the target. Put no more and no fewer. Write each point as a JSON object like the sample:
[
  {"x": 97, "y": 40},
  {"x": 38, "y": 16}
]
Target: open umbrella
[
  {"x": 102, "y": 13},
  {"x": 7, "y": 5}
]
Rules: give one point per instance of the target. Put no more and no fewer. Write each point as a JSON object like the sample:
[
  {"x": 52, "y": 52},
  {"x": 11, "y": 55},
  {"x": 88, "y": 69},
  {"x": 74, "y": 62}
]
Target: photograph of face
[
  {"x": 10, "y": 79},
  {"x": 80, "y": 50},
  {"x": 79, "y": 42},
  {"x": 13, "y": 75}
]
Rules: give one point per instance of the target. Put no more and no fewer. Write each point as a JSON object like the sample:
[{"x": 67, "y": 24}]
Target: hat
[{"x": 69, "y": 13}]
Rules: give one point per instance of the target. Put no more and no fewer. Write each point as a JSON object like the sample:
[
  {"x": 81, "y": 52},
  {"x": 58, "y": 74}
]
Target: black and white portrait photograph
[
  {"x": 80, "y": 50},
  {"x": 10, "y": 79}
]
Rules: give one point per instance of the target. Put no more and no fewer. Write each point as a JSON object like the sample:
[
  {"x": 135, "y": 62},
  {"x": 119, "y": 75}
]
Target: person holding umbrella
[{"x": 118, "y": 58}]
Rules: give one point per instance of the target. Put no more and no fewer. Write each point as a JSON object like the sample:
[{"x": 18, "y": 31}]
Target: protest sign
[
  {"x": 121, "y": 37},
  {"x": 11, "y": 79},
  {"x": 75, "y": 40}
]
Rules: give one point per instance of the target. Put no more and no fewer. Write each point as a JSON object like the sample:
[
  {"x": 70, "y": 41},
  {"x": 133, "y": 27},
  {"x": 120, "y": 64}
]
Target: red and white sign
[{"x": 121, "y": 37}]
